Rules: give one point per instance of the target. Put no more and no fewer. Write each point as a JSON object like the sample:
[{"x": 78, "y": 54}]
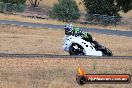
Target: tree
[
  {"x": 106, "y": 11},
  {"x": 107, "y": 7},
  {"x": 65, "y": 10},
  {"x": 35, "y": 3},
  {"x": 102, "y": 7},
  {"x": 124, "y": 5}
]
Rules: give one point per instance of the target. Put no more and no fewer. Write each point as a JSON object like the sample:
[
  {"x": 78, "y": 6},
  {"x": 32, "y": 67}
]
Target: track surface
[
  {"x": 51, "y": 26},
  {"x": 61, "y": 56}
]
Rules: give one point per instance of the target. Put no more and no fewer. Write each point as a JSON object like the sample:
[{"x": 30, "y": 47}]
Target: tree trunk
[{"x": 35, "y": 3}]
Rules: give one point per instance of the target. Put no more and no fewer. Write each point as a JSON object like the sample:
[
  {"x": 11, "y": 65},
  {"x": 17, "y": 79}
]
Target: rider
[{"x": 70, "y": 30}]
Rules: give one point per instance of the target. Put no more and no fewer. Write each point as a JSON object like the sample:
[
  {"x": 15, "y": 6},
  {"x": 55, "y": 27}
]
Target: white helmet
[{"x": 68, "y": 28}]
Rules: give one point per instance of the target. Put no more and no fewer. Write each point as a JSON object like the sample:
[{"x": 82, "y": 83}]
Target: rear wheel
[
  {"x": 104, "y": 50},
  {"x": 107, "y": 52}
]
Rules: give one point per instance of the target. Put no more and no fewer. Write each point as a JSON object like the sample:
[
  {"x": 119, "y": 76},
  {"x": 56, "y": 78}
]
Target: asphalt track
[
  {"x": 61, "y": 56},
  {"x": 51, "y": 26}
]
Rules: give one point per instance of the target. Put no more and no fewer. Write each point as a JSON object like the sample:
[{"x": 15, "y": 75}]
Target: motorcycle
[{"x": 75, "y": 45}]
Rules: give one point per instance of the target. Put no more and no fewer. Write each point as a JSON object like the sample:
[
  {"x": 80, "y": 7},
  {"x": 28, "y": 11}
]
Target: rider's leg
[
  {"x": 96, "y": 43},
  {"x": 85, "y": 39}
]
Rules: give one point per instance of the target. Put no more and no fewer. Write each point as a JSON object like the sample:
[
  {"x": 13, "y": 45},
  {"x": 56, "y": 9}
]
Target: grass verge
[{"x": 53, "y": 73}]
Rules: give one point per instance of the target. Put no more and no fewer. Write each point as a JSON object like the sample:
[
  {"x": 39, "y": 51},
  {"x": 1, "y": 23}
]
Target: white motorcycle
[{"x": 78, "y": 46}]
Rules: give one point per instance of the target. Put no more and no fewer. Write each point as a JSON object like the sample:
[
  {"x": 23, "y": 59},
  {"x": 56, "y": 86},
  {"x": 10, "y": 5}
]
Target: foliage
[
  {"x": 106, "y": 11},
  {"x": 102, "y": 7},
  {"x": 65, "y": 10},
  {"x": 107, "y": 7},
  {"x": 124, "y": 5}
]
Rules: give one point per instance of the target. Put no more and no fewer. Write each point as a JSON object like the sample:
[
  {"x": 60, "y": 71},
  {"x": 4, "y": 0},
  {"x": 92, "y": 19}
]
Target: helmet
[{"x": 68, "y": 28}]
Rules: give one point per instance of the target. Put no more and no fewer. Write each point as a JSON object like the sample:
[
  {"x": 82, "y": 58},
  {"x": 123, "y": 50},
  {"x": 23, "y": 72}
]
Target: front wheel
[{"x": 76, "y": 49}]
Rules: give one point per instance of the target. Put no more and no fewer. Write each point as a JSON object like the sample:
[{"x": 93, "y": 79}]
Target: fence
[
  {"x": 101, "y": 19},
  {"x": 93, "y": 19},
  {"x": 8, "y": 7}
]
